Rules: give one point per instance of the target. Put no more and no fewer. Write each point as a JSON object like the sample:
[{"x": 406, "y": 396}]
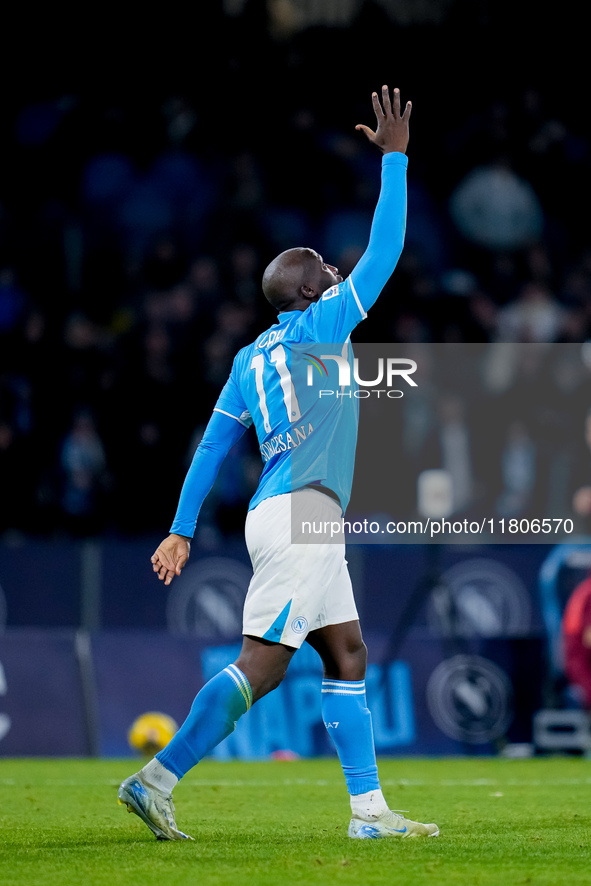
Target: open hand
[
  {"x": 170, "y": 557},
  {"x": 392, "y": 129}
]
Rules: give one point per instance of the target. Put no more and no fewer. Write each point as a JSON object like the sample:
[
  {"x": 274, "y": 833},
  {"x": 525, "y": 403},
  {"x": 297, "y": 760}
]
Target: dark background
[{"x": 152, "y": 165}]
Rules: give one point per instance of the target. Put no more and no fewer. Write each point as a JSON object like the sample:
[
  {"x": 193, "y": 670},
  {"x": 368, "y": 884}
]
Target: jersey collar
[{"x": 284, "y": 316}]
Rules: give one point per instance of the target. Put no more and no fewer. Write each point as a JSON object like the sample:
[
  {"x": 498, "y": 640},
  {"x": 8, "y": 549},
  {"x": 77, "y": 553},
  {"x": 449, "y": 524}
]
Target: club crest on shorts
[{"x": 299, "y": 625}]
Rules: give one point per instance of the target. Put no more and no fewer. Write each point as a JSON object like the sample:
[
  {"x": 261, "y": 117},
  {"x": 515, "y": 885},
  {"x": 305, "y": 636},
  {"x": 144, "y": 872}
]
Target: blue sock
[
  {"x": 213, "y": 715},
  {"x": 348, "y": 722}
]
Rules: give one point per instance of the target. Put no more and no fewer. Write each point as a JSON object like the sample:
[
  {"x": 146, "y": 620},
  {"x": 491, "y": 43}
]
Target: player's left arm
[
  {"x": 341, "y": 308},
  {"x": 386, "y": 239}
]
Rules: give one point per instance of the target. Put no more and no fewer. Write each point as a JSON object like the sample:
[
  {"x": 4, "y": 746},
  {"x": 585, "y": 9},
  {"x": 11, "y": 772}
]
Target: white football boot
[
  {"x": 155, "y": 808},
  {"x": 389, "y": 824}
]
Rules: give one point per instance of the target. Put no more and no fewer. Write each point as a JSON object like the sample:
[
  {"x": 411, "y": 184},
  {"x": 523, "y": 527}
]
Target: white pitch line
[{"x": 291, "y": 782}]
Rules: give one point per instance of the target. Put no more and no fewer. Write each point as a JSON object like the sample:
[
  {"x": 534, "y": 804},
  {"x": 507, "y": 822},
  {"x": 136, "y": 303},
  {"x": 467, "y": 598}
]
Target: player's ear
[{"x": 308, "y": 291}]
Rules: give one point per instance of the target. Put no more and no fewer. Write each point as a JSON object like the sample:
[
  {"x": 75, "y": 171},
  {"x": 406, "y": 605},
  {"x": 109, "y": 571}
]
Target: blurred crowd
[
  {"x": 133, "y": 237},
  {"x": 507, "y": 423}
]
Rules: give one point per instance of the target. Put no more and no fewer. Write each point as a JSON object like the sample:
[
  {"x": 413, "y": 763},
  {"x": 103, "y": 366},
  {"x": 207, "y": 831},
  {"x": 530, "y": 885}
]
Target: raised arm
[
  {"x": 386, "y": 240},
  {"x": 392, "y": 127}
]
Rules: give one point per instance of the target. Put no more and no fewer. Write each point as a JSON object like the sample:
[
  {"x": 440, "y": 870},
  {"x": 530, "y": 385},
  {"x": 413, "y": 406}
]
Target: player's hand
[
  {"x": 170, "y": 557},
  {"x": 392, "y": 129}
]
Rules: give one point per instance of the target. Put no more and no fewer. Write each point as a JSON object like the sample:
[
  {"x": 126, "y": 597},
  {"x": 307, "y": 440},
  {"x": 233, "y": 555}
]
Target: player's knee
[
  {"x": 265, "y": 682},
  {"x": 274, "y": 680},
  {"x": 264, "y": 666},
  {"x": 355, "y": 663},
  {"x": 350, "y": 663}
]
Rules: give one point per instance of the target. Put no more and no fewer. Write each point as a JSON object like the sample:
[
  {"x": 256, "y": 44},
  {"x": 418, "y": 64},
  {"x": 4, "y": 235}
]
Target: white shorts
[{"x": 296, "y": 587}]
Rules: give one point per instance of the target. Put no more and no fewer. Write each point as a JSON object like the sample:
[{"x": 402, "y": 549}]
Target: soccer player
[{"x": 300, "y": 589}]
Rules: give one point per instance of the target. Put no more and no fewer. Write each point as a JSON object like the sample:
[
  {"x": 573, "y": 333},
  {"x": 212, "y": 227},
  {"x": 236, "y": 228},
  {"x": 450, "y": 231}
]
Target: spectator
[
  {"x": 534, "y": 316},
  {"x": 576, "y": 635},
  {"x": 173, "y": 217},
  {"x": 245, "y": 274},
  {"x": 13, "y": 301},
  {"x": 518, "y": 471},
  {"x": 581, "y": 501},
  {"x": 15, "y": 467},
  {"x": 84, "y": 468},
  {"x": 449, "y": 447},
  {"x": 495, "y": 208}
]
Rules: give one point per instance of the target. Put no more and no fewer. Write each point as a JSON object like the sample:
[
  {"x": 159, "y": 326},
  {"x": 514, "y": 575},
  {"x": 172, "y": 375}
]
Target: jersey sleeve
[
  {"x": 334, "y": 316},
  {"x": 221, "y": 433},
  {"x": 386, "y": 239},
  {"x": 231, "y": 402}
]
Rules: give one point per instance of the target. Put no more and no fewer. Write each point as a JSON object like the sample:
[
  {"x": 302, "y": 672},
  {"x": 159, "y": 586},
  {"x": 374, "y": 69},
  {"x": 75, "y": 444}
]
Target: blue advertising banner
[
  {"x": 67, "y": 584},
  {"x": 473, "y": 701},
  {"x": 436, "y": 698},
  {"x": 458, "y": 642},
  {"x": 140, "y": 671},
  {"x": 60, "y": 695},
  {"x": 42, "y": 702}
]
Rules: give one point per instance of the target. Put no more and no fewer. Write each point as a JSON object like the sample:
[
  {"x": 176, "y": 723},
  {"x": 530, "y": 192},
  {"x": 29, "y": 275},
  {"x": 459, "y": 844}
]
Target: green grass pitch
[{"x": 502, "y": 822}]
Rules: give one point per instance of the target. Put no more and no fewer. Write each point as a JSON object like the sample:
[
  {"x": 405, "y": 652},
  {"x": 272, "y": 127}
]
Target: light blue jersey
[
  {"x": 275, "y": 382},
  {"x": 303, "y": 437}
]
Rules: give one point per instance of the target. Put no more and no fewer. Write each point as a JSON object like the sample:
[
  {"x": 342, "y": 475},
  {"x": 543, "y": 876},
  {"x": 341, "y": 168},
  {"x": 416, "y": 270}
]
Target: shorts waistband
[{"x": 325, "y": 491}]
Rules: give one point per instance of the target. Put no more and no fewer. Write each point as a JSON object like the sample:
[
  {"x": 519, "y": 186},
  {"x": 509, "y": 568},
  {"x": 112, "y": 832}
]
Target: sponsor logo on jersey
[{"x": 283, "y": 442}]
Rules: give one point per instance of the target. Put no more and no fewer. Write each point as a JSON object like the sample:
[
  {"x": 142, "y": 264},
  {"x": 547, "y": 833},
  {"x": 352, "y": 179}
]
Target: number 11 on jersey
[{"x": 290, "y": 400}]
